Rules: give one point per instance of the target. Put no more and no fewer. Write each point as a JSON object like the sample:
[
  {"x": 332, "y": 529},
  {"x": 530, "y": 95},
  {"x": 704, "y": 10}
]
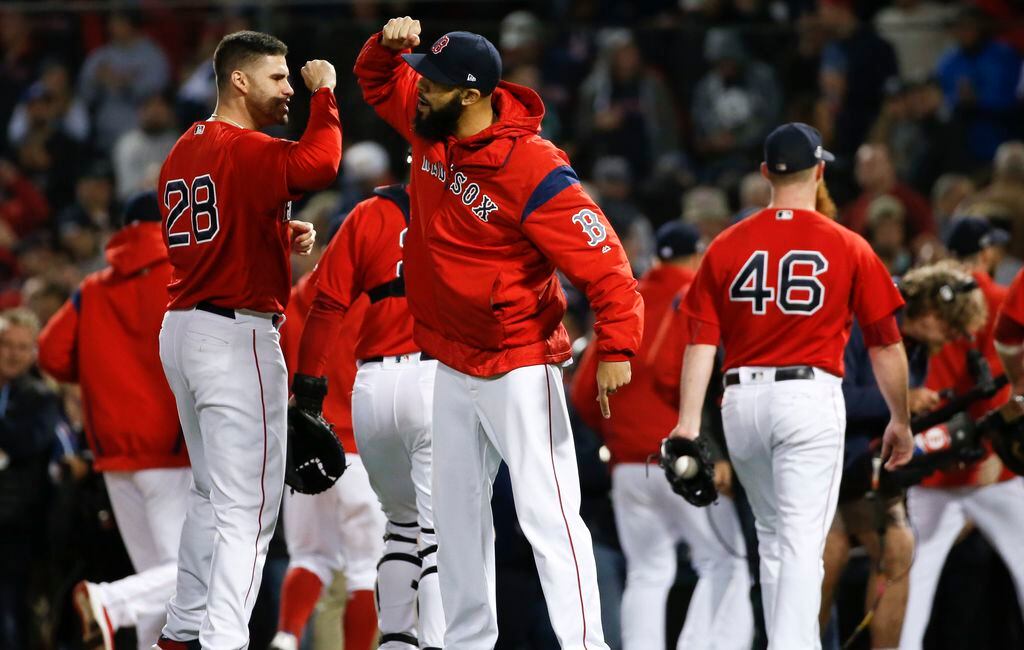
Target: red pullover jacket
[
  {"x": 493, "y": 215},
  {"x": 640, "y": 417},
  {"x": 106, "y": 339}
]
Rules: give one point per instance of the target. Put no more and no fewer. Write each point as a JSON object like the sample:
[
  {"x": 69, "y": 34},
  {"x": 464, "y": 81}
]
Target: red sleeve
[
  {"x": 58, "y": 343},
  {"x": 1012, "y": 309},
  {"x": 584, "y": 390},
  {"x": 388, "y": 84},
  {"x": 884, "y": 331},
  {"x": 874, "y": 294},
  {"x": 665, "y": 355},
  {"x": 338, "y": 283},
  {"x": 701, "y": 303},
  {"x": 573, "y": 233},
  {"x": 286, "y": 169},
  {"x": 295, "y": 319}
]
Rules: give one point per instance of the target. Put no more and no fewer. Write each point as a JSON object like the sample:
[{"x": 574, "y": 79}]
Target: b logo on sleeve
[{"x": 591, "y": 225}]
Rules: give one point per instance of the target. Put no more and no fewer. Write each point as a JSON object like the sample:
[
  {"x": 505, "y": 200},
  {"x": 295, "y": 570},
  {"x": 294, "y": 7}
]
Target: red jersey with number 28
[
  {"x": 780, "y": 289},
  {"x": 225, "y": 197}
]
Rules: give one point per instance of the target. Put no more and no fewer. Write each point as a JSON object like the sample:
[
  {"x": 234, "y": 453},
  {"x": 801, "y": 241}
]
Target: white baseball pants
[
  {"x": 340, "y": 529},
  {"x": 938, "y": 517},
  {"x": 231, "y": 387},
  {"x": 392, "y": 413},
  {"x": 149, "y": 506},
  {"x": 519, "y": 417},
  {"x": 785, "y": 441},
  {"x": 651, "y": 520}
]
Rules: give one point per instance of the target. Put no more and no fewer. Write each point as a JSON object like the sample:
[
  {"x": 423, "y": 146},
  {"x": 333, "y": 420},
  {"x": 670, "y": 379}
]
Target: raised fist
[
  {"x": 401, "y": 34},
  {"x": 319, "y": 74}
]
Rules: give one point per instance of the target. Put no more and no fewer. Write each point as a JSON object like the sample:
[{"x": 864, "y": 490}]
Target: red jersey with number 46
[
  {"x": 780, "y": 289},
  {"x": 225, "y": 196}
]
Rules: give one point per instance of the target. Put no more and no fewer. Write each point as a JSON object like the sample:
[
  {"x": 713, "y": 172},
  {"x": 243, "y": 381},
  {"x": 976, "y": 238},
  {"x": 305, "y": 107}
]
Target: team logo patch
[
  {"x": 784, "y": 215},
  {"x": 200, "y": 128},
  {"x": 440, "y": 44},
  {"x": 591, "y": 225}
]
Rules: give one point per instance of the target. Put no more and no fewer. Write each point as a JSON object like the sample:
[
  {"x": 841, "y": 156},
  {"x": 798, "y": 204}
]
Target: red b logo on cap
[{"x": 440, "y": 44}]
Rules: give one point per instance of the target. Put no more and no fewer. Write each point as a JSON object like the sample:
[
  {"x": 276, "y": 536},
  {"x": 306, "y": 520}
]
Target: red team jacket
[
  {"x": 640, "y": 417},
  {"x": 948, "y": 369},
  {"x": 225, "y": 197},
  {"x": 778, "y": 289},
  {"x": 106, "y": 339},
  {"x": 341, "y": 363},
  {"x": 364, "y": 258},
  {"x": 492, "y": 216}
]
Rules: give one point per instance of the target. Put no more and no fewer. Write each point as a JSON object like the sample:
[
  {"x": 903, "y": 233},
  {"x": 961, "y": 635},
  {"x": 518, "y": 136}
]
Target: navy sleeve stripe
[
  {"x": 76, "y": 300},
  {"x": 557, "y": 180}
]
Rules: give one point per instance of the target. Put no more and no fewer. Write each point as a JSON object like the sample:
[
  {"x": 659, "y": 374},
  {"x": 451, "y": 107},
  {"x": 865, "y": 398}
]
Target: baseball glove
[
  {"x": 689, "y": 470},
  {"x": 316, "y": 459}
]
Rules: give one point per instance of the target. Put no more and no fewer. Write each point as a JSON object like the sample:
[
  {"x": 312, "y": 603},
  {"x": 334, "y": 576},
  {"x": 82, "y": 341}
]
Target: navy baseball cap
[
  {"x": 794, "y": 147},
  {"x": 460, "y": 59},
  {"x": 676, "y": 239},
  {"x": 970, "y": 235}
]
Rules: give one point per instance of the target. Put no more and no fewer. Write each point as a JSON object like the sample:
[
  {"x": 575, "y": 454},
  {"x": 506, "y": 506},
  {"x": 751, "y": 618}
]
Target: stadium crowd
[{"x": 663, "y": 106}]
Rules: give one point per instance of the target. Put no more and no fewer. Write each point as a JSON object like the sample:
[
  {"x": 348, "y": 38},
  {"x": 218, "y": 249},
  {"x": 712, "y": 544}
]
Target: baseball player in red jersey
[
  {"x": 339, "y": 529},
  {"x": 495, "y": 209},
  {"x": 105, "y": 339},
  {"x": 225, "y": 192},
  {"x": 391, "y": 407},
  {"x": 650, "y": 518},
  {"x": 778, "y": 290}
]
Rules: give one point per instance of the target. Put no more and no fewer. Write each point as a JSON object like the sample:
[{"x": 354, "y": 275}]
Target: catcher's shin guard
[
  {"x": 431, "y": 616},
  {"x": 397, "y": 575}
]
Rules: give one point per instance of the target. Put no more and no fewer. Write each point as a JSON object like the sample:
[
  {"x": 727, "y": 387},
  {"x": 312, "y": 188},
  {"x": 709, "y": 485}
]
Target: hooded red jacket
[
  {"x": 493, "y": 215},
  {"x": 106, "y": 338}
]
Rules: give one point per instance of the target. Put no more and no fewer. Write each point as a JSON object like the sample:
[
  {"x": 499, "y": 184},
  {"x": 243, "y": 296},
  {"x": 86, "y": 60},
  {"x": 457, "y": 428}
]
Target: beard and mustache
[
  {"x": 269, "y": 110},
  {"x": 439, "y": 123}
]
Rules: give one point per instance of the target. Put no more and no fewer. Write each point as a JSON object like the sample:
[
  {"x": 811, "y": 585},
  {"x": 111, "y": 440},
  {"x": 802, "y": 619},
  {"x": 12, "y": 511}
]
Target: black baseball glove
[
  {"x": 316, "y": 459},
  {"x": 698, "y": 486}
]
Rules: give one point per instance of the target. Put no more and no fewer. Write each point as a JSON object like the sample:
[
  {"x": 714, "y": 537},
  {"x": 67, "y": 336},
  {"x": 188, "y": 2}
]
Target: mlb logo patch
[
  {"x": 200, "y": 128},
  {"x": 784, "y": 215},
  {"x": 440, "y": 44}
]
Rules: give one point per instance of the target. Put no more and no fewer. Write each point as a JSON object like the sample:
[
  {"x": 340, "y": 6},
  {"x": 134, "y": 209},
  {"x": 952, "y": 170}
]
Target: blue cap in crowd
[
  {"x": 460, "y": 59},
  {"x": 794, "y": 147},
  {"x": 970, "y": 235},
  {"x": 676, "y": 239}
]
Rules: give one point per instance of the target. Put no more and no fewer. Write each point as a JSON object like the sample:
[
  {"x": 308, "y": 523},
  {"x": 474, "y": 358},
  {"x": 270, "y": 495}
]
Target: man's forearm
[
  {"x": 698, "y": 362},
  {"x": 889, "y": 363}
]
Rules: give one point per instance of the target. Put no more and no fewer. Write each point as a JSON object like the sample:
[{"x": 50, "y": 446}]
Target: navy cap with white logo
[
  {"x": 970, "y": 235},
  {"x": 460, "y": 59},
  {"x": 794, "y": 147},
  {"x": 677, "y": 239}
]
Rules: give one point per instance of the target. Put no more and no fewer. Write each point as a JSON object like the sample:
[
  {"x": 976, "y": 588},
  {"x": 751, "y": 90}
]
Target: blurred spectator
[
  {"x": 707, "y": 208},
  {"x": 63, "y": 110},
  {"x": 29, "y": 418},
  {"x": 735, "y": 105},
  {"x": 613, "y": 191},
  {"x": 23, "y": 208},
  {"x": 529, "y": 75},
  {"x": 755, "y": 194},
  {"x": 44, "y": 297},
  {"x": 915, "y": 28},
  {"x": 855, "y": 65},
  {"x": 1002, "y": 200},
  {"x": 197, "y": 94},
  {"x": 18, "y": 59},
  {"x": 521, "y": 39},
  {"x": 364, "y": 166},
  {"x": 877, "y": 176},
  {"x": 949, "y": 191},
  {"x": 886, "y": 232},
  {"x": 139, "y": 153},
  {"x": 979, "y": 77},
  {"x": 83, "y": 226},
  {"x": 117, "y": 77},
  {"x": 625, "y": 108}
]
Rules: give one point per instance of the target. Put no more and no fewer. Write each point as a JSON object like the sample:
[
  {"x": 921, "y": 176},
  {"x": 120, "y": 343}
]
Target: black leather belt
[
  {"x": 781, "y": 374},
  {"x": 423, "y": 357},
  {"x": 211, "y": 308}
]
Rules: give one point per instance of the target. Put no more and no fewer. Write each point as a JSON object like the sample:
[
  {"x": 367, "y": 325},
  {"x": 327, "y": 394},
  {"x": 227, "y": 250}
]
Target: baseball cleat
[
  {"x": 284, "y": 641},
  {"x": 97, "y": 632}
]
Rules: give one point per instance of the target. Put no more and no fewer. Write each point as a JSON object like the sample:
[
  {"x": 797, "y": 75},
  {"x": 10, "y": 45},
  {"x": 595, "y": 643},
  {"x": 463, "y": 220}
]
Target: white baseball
[{"x": 685, "y": 467}]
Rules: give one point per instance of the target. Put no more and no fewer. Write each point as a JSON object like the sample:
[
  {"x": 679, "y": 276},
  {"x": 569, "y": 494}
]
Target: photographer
[
  {"x": 942, "y": 304},
  {"x": 983, "y": 492}
]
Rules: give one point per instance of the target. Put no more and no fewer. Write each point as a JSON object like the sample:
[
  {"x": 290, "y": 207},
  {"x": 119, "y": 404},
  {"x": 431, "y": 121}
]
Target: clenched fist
[
  {"x": 401, "y": 34},
  {"x": 319, "y": 74}
]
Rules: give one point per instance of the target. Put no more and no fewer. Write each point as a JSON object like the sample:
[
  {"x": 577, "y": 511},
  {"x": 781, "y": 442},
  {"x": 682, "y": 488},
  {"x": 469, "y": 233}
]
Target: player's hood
[
  {"x": 520, "y": 111},
  {"x": 137, "y": 246}
]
